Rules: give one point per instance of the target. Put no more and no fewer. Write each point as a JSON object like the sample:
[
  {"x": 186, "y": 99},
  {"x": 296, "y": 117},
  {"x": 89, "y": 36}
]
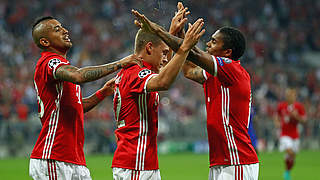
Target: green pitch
[{"x": 182, "y": 166}]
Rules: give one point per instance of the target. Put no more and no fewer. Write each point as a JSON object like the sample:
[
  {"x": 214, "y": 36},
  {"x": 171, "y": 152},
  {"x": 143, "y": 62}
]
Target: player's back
[
  {"x": 136, "y": 113},
  {"x": 61, "y": 113}
]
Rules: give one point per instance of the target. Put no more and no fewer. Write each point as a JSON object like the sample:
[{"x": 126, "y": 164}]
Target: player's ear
[
  {"x": 228, "y": 53},
  {"x": 149, "y": 48},
  {"x": 44, "y": 42}
]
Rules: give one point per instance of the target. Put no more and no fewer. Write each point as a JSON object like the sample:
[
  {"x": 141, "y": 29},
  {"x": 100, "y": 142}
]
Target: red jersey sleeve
[
  {"x": 54, "y": 63},
  {"x": 139, "y": 78},
  {"x": 301, "y": 110},
  {"x": 279, "y": 108},
  {"x": 226, "y": 70}
]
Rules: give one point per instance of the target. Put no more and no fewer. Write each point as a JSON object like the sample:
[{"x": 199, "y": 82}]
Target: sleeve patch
[
  {"x": 222, "y": 60},
  {"x": 53, "y": 63},
  {"x": 143, "y": 73}
]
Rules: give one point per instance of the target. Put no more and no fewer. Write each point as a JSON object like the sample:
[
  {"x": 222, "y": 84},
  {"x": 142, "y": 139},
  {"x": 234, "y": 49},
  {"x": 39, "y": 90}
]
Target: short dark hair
[
  {"x": 143, "y": 37},
  {"x": 36, "y": 37},
  {"x": 233, "y": 39},
  {"x": 40, "y": 19}
]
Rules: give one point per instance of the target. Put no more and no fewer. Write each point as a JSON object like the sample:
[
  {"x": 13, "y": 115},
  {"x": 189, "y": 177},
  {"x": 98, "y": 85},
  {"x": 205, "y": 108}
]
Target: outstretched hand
[
  {"x": 144, "y": 23},
  {"x": 193, "y": 35},
  {"x": 179, "y": 20}
]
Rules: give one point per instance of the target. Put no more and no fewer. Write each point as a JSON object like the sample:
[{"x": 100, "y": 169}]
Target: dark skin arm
[
  {"x": 193, "y": 72},
  {"x": 190, "y": 70},
  {"x": 91, "y": 73},
  {"x": 196, "y": 55},
  {"x": 91, "y": 101},
  {"x": 168, "y": 74}
]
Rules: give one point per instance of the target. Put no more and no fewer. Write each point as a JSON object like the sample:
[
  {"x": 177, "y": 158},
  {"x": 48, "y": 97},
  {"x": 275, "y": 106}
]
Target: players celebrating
[{"x": 228, "y": 98}]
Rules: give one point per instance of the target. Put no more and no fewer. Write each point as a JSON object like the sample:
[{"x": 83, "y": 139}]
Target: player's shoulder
[
  {"x": 222, "y": 61},
  {"x": 299, "y": 104},
  {"x": 137, "y": 71},
  {"x": 282, "y": 104},
  {"x": 51, "y": 59}
]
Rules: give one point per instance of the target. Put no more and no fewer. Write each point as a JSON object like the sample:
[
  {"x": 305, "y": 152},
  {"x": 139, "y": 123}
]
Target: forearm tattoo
[
  {"x": 93, "y": 74},
  {"x": 63, "y": 73},
  {"x": 113, "y": 67},
  {"x": 86, "y": 74},
  {"x": 172, "y": 41}
]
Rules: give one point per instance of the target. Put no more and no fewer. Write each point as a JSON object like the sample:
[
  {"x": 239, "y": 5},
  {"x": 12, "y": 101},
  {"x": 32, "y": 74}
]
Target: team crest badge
[
  {"x": 53, "y": 63},
  {"x": 143, "y": 73},
  {"x": 226, "y": 60}
]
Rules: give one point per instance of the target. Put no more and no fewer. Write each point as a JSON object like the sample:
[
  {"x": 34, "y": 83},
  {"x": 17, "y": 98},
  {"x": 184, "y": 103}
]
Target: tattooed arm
[
  {"x": 196, "y": 55},
  {"x": 193, "y": 72},
  {"x": 169, "y": 73},
  {"x": 91, "y": 101},
  {"x": 91, "y": 73}
]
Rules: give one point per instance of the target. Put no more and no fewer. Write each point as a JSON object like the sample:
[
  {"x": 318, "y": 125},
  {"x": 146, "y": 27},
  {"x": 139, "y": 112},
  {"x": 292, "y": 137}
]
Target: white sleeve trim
[
  {"x": 215, "y": 65},
  {"x": 55, "y": 69},
  {"x": 204, "y": 74},
  {"x": 146, "y": 82}
]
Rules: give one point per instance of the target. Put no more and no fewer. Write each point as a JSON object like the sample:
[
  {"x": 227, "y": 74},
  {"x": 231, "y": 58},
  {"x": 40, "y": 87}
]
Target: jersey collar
[{"x": 147, "y": 65}]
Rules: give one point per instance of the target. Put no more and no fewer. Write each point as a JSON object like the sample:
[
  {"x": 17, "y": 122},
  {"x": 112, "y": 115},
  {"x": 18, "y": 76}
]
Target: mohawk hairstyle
[
  {"x": 36, "y": 37},
  {"x": 40, "y": 19}
]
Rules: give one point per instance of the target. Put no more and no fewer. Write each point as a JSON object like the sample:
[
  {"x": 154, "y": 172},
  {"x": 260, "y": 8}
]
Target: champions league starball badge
[
  {"x": 143, "y": 73},
  {"x": 53, "y": 63}
]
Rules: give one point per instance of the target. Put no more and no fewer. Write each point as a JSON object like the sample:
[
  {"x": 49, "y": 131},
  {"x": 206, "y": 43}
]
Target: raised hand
[
  {"x": 193, "y": 35},
  {"x": 144, "y": 23},
  {"x": 178, "y": 21},
  {"x": 131, "y": 60}
]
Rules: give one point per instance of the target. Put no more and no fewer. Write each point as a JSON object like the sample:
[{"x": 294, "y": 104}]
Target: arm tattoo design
[
  {"x": 91, "y": 75},
  {"x": 86, "y": 74},
  {"x": 63, "y": 73},
  {"x": 113, "y": 67},
  {"x": 174, "y": 43}
]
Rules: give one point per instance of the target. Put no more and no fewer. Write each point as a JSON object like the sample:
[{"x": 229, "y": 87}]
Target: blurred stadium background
[{"x": 283, "y": 48}]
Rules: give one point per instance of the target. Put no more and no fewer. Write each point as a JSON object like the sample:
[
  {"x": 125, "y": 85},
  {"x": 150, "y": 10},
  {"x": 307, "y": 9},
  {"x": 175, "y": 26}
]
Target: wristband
[{"x": 99, "y": 95}]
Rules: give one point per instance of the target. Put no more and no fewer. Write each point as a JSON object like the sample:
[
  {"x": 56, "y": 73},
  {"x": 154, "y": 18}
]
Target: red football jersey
[
  {"x": 61, "y": 113},
  {"x": 228, "y": 103},
  {"x": 136, "y": 113},
  {"x": 289, "y": 125}
]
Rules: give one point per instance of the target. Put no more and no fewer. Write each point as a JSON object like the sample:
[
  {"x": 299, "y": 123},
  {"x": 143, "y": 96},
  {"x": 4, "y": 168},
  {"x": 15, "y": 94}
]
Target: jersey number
[
  {"x": 78, "y": 91},
  {"x": 41, "y": 106}
]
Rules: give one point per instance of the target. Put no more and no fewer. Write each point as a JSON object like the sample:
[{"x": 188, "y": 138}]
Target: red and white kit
[
  {"x": 61, "y": 114},
  {"x": 289, "y": 126},
  {"x": 228, "y": 103},
  {"x": 136, "y": 113}
]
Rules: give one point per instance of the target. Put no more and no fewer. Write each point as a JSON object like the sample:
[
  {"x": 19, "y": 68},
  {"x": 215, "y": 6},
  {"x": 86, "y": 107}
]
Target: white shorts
[
  {"x": 129, "y": 174},
  {"x": 287, "y": 142},
  {"x": 239, "y": 172},
  {"x": 42, "y": 169}
]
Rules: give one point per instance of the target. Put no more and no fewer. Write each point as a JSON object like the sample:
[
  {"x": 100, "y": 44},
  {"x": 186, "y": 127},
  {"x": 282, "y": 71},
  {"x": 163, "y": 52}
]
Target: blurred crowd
[{"x": 283, "y": 46}]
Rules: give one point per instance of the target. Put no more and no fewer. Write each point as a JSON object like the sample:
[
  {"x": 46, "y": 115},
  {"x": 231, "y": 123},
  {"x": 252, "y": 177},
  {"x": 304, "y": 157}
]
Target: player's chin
[{"x": 68, "y": 44}]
